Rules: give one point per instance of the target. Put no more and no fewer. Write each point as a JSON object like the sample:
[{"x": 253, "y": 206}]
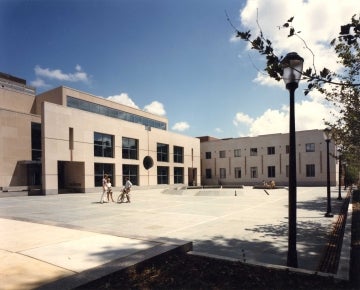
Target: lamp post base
[{"x": 329, "y": 214}]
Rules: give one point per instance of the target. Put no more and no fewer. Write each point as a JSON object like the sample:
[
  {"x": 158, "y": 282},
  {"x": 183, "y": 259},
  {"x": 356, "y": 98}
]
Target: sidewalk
[{"x": 72, "y": 238}]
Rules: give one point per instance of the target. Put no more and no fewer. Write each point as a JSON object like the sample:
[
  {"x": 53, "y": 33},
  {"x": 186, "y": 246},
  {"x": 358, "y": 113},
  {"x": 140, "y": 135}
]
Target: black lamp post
[
  {"x": 292, "y": 66},
  {"x": 340, "y": 175},
  {"x": 327, "y": 136}
]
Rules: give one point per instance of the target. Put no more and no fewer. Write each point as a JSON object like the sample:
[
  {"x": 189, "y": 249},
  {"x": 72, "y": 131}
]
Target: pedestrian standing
[{"x": 104, "y": 188}]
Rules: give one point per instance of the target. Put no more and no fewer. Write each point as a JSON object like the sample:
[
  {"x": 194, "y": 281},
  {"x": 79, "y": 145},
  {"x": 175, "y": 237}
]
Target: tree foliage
[{"x": 342, "y": 88}]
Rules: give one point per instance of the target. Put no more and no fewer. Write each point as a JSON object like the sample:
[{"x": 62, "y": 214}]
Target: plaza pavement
[{"x": 62, "y": 241}]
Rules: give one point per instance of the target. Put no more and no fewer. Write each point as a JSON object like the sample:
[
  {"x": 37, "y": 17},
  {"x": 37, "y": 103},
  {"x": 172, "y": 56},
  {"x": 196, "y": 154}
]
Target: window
[
  {"x": 130, "y": 148},
  {"x": 253, "y": 172},
  {"x": 222, "y": 154},
  {"x": 103, "y": 168},
  {"x": 208, "y": 173},
  {"x": 271, "y": 150},
  {"x": 130, "y": 171},
  {"x": 208, "y": 155},
  {"x": 310, "y": 147},
  {"x": 103, "y": 145},
  {"x": 178, "y": 154},
  {"x": 253, "y": 151},
  {"x": 237, "y": 172},
  {"x": 222, "y": 173},
  {"x": 237, "y": 152},
  {"x": 310, "y": 170},
  {"x": 178, "y": 175},
  {"x": 35, "y": 141},
  {"x": 114, "y": 113},
  {"x": 287, "y": 149},
  {"x": 287, "y": 170},
  {"x": 271, "y": 171},
  {"x": 163, "y": 175},
  {"x": 162, "y": 152}
]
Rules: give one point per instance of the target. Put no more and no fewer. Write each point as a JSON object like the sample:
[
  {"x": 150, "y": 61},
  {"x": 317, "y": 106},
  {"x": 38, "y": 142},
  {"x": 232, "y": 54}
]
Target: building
[
  {"x": 64, "y": 140},
  {"x": 253, "y": 160}
]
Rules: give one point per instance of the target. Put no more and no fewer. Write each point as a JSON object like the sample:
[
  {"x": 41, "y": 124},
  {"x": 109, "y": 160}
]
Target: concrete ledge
[{"x": 133, "y": 260}]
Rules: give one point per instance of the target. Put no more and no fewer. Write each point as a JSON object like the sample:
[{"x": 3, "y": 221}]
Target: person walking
[{"x": 104, "y": 187}]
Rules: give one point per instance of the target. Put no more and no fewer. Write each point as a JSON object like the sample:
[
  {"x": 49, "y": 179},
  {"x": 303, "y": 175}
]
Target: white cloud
[
  {"x": 319, "y": 22},
  {"x": 56, "y": 74},
  {"x": 39, "y": 83},
  {"x": 124, "y": 99},
  {"x": 218, "y": 130},
  {"x": 156, "y": 108},
  {"x": 241, "y": 118},
  {"x": 180, "y": 126},
  {"x": 308, "y": 115}
]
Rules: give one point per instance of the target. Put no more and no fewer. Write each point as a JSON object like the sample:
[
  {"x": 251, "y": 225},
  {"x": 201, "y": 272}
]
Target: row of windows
[
  {"x": 114, "y": 113},
  {"x": 310, "y": 172},
  {"x": 309, "y": 147},
  {"x": 104, "y": 147},
  {"x": 132, "y": 172}
]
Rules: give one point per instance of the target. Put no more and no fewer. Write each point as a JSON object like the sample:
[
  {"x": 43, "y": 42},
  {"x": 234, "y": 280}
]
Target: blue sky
[{"x": 172, "y": 58}]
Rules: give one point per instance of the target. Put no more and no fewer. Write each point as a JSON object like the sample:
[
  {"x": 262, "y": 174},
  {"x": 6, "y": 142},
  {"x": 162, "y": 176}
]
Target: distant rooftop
[{"x": 15, "y": 84}]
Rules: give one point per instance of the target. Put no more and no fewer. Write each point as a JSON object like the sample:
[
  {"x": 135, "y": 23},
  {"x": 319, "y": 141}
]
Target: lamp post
[
  {"x": 340, "y": 175},
  {"x": 327, "y": 136},
  {"x": 292, "y": 65}
]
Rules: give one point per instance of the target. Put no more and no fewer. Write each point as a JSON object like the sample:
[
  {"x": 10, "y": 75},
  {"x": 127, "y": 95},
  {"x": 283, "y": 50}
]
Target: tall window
[
  {"x": 253, "y": 172},
  {"x": 208, "y": 173},
  {"x": 310, "y": 147},
  {"x": 222, "y": 154},
  {"x": 103, "y": 168},
  {"x": 178, "y": 154},
  {"x": 35, "y": 141},
  {"x": 310, "y": 170},
  {"x": 253, "y": 152},
  {"x": 208, "y": 155},
  {"x": 178, "y": 175},
  {"x": 222, "y": 173},
  {"x": 237, "y": 152},
  {"x": 131, "y": 171},
  {"x": 271, "y": 171},
  {"x": 287, "y": 149},
  {"x": 271, "y": 150},
  {"x": 130, "y": 148},
  {"x": 103, "y": 145},
  {"x": 162, "y": 152},
  {"x": 163, "y": 175},
  {"x": 237, "y": 172}
]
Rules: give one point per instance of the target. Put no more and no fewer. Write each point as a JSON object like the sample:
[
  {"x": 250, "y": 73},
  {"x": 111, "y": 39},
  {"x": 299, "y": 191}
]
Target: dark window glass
[
  {"x": 162, "y": 152},
  {"x": 178, "y": 175},
  {"x": 271, "y": 171},
  {"x": 237, "y": 172},
  {"x": 222, "y": 154},
  {"x": 271, "y": 150},
  {"x": 131, "y": 171},
  {"x": 103, "y": 145},
  {"x": 178, "y": 154},
  {"x": 253, "y": 151},
  {"x": 36, "y": 141},
  {"x": 208, "y": 155},
  {"x": 163, "y": 175},
  {"x": 103, "y": 168},
  {"x": 208, "y": 173},
  {"x": 110, "y": 112},
  {"x": 310, "y": 170},
  {"x": 310, "y": 147},
  {"x": 130, "y": 148}
]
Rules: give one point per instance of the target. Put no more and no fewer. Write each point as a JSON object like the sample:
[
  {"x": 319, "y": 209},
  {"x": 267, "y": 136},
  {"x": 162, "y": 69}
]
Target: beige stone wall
[
  {"x": 15, "y": 146},
  {"x": 280, "y": 159},
  {"x": 58, "y": 119}
]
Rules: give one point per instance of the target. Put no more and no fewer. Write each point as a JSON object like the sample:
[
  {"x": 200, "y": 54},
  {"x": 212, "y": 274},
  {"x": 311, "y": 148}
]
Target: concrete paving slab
[{"x": 251, "y": 225}]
